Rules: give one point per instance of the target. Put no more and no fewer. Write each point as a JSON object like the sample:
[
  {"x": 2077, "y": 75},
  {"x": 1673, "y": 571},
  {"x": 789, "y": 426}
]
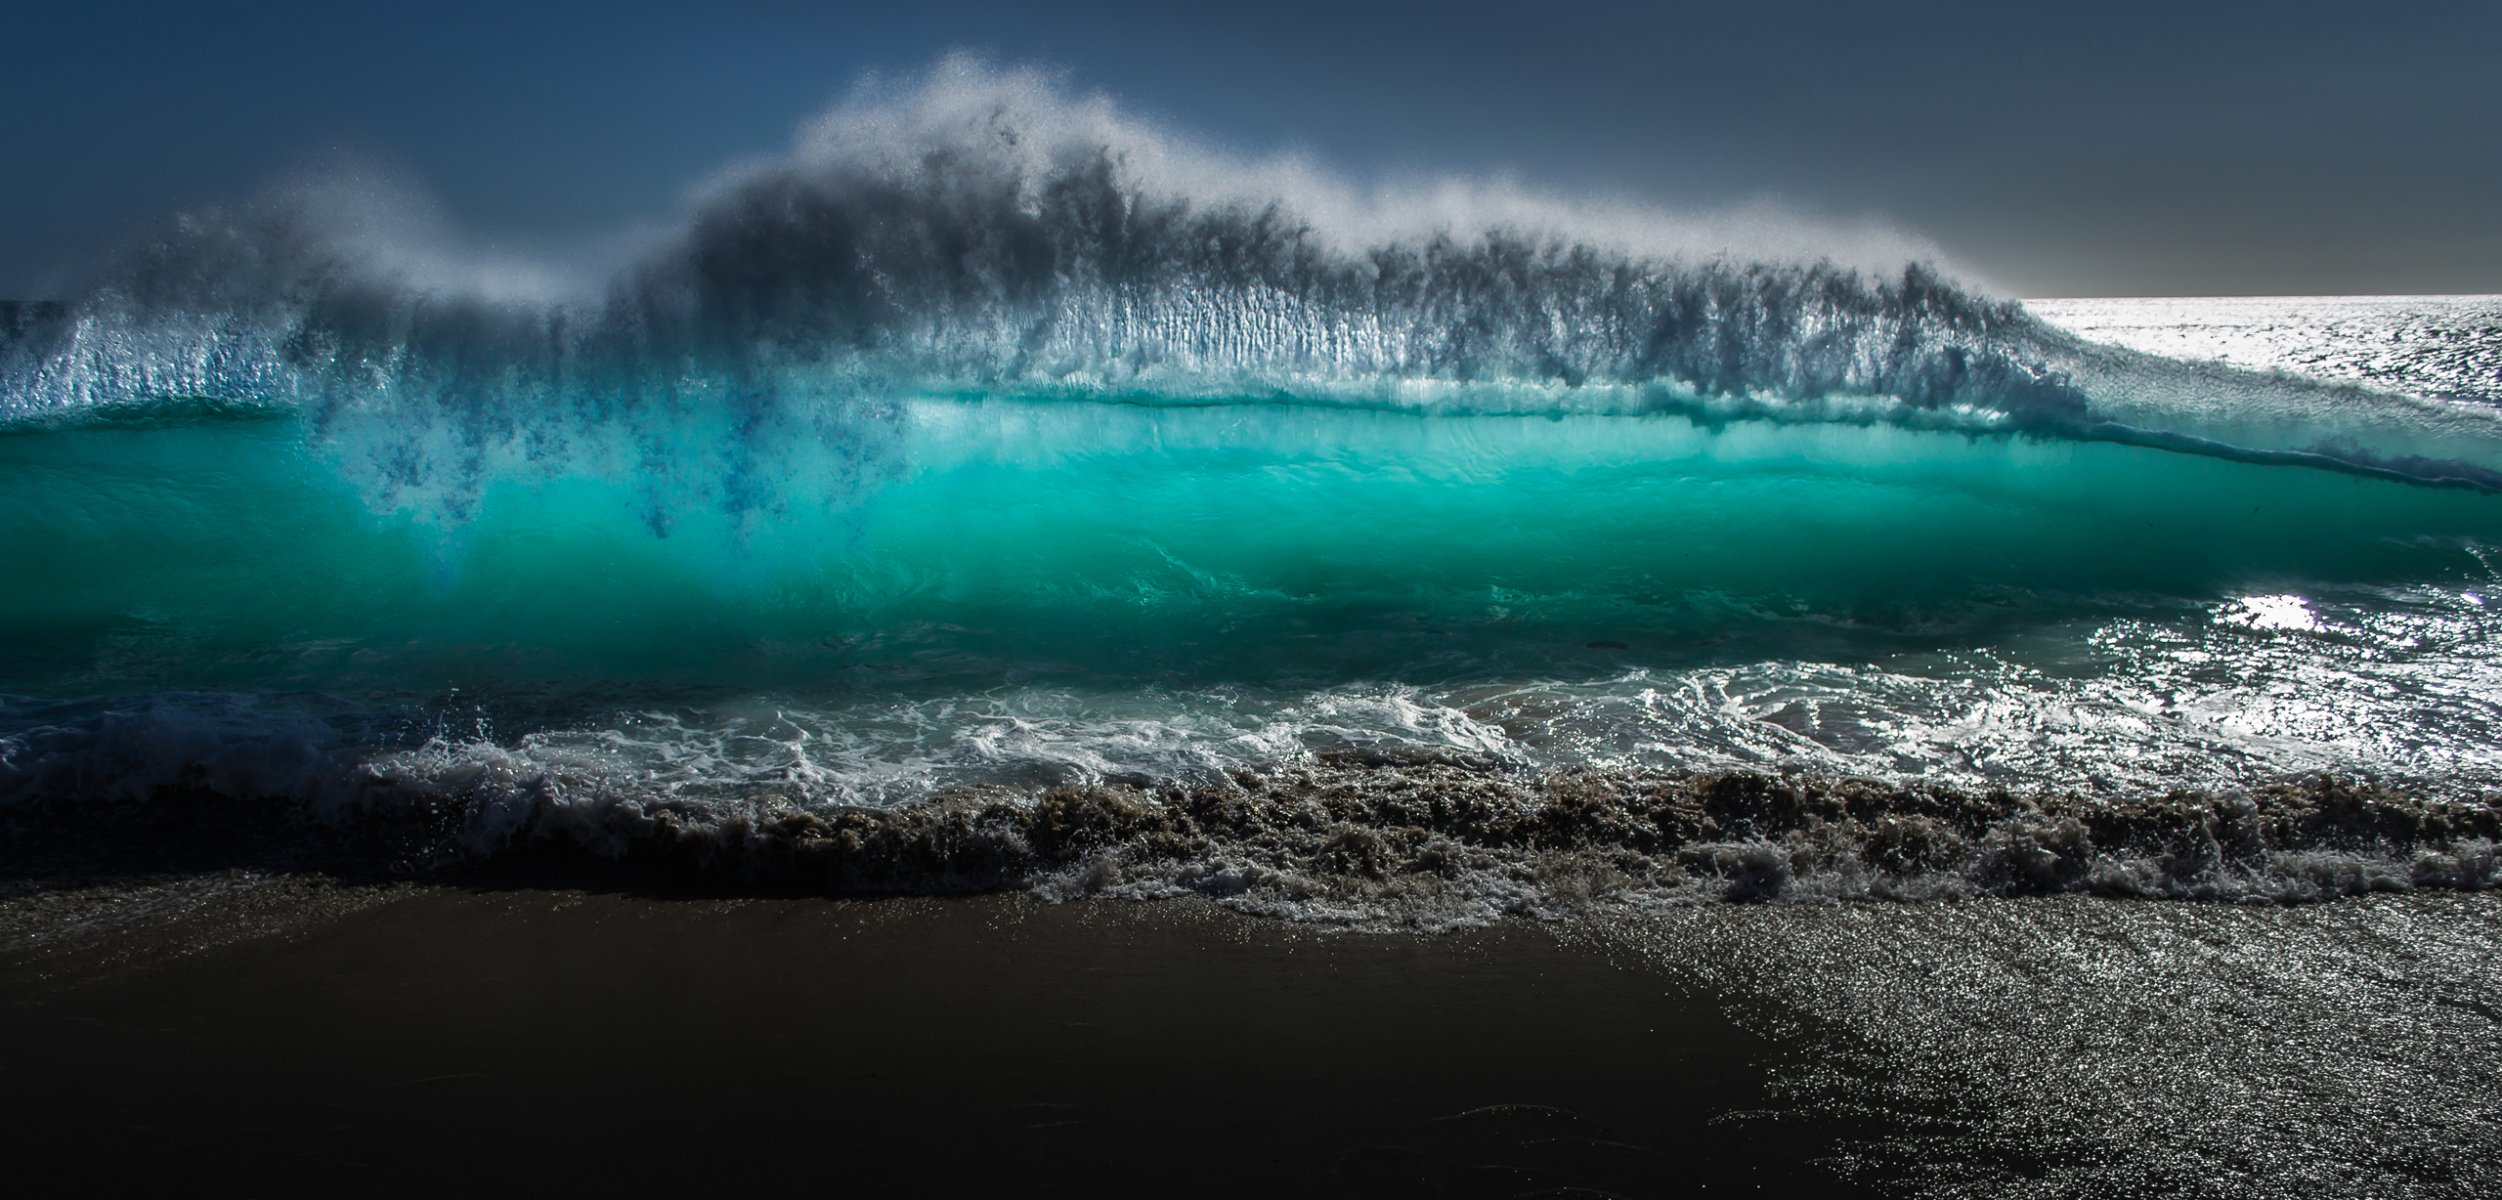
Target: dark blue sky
[{"x": 2107, "y": 148}]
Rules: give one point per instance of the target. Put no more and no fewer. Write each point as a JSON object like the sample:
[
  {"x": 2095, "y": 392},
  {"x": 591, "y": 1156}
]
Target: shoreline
[{"x": 1366, "y": 840}]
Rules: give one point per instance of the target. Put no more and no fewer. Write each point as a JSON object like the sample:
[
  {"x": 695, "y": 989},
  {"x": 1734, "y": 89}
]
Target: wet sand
[{"x": 251, "y": 1036}]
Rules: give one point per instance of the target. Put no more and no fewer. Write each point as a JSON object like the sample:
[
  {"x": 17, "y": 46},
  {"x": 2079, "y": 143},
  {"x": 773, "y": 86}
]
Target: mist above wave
[{"x": 991, "y": 230}]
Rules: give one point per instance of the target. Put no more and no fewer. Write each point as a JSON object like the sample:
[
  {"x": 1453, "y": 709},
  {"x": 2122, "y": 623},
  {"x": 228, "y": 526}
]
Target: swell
[{"x": 989, "y": 232}]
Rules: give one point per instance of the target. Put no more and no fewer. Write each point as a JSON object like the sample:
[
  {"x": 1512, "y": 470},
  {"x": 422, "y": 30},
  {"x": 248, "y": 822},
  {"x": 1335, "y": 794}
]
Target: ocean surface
[{"x": 993, "y": 494}]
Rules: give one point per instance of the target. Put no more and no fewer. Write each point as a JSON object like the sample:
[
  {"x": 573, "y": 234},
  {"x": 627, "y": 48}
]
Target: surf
[{"x": 994, "y": 464}]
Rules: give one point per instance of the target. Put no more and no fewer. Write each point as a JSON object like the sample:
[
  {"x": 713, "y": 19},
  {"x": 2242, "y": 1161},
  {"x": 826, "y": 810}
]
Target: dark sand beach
[
  {"x": 245, "y": 1035},
  {"x": 254, "y": 1034}
]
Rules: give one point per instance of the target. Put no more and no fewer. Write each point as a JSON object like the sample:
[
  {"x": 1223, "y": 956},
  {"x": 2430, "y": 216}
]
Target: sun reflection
[{"x": 2287, "y": 611}]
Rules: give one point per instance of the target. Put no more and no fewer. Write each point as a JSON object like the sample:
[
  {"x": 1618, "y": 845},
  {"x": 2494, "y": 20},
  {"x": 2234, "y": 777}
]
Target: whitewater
[{"x": 998, "y": 490}]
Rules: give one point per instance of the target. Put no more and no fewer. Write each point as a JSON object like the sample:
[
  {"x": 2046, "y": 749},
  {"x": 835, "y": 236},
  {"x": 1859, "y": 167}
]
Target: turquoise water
[
  {"x": 1027, "y": 591},
  {"x": 1250, "y": 542}
]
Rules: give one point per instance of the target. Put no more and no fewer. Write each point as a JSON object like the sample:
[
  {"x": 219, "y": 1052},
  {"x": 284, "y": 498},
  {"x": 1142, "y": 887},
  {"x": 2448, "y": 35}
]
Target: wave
[
  {"x": 989, "y": 231},
  {"x": 988, "y": 391}
]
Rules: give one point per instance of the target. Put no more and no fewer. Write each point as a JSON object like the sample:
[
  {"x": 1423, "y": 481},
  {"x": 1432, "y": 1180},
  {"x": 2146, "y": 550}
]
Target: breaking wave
[{"x": 989, "y": 231}]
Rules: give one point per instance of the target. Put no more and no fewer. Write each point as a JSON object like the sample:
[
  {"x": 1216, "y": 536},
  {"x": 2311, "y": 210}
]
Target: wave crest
[{"x": 990, "y": 230}]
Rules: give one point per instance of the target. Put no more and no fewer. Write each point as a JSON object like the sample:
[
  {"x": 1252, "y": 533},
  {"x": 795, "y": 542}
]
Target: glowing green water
[{"x": 1208, "y": 542}]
